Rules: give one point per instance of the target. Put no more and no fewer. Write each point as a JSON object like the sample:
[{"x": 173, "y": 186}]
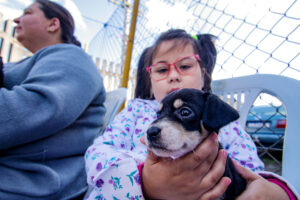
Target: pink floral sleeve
[
  {"x": 112, "y": 161},
  {"x": 240, "y": 146}
]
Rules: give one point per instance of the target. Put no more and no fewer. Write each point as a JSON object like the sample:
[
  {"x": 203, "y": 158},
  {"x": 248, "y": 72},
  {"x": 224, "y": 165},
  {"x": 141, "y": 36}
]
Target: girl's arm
[
  {"x": 196, "y": 175},
  {"x": 240, "y": 146},
  {"x": 265, "y": 185},
  {"x": 112, "y": 161},
  {"x": 242, "y": 149}
]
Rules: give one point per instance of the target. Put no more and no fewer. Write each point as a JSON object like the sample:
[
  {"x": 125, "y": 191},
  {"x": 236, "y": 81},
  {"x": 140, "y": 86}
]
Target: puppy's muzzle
[{"x": 153, "y": 134}]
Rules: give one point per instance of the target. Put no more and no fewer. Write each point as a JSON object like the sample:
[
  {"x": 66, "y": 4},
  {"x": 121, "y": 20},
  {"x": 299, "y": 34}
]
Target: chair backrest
[
  {"x": 113, "y": 102},
  {"x": 241, "y": 92}
]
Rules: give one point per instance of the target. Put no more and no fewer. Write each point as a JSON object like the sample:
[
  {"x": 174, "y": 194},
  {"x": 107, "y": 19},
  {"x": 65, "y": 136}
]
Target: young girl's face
[{"x": 168, "y": 53}]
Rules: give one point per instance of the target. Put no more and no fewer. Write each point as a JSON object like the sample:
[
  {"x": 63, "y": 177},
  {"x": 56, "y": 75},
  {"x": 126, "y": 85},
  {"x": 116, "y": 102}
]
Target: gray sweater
[{"x": 51, "y": 108}]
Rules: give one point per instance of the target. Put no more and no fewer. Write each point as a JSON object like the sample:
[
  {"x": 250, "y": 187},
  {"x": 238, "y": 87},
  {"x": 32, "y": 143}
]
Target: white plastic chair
[
  {"x": 113, "y": 102},
  {"x": 241, "y": 92}
]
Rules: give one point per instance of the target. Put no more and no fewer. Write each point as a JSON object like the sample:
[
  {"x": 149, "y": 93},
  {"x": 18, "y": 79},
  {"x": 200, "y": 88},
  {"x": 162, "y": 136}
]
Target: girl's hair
[
  {"x": 203, "y": 45},
  {"x": 52, "y": 10}
]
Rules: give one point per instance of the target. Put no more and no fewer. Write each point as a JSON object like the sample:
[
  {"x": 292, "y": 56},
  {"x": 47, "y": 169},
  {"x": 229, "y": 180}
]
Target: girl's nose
[{"x": 173, "y": 74}]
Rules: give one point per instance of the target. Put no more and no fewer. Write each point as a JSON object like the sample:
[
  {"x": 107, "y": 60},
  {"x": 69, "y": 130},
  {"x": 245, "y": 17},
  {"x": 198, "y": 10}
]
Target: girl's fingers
[
  {"x": 244, "y": 172},
  {"x": 217, "y": 191},
  {"x": 142, "y": 140},
  {"x": 152, "y": 158},
  {"x": 206, "y": 153},
  {"x": 215, "y": 173}
]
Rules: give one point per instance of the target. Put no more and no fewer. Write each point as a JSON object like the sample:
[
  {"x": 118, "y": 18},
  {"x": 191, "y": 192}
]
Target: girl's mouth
[{"x": 173, "y": 89}]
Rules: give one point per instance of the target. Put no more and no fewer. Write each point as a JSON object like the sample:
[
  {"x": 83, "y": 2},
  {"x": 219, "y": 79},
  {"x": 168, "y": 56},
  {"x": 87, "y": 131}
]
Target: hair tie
[{"x": 195, "y": 37}]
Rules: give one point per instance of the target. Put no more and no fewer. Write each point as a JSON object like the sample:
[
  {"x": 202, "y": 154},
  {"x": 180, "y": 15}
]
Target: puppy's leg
[{"x": 238, "y": 183}]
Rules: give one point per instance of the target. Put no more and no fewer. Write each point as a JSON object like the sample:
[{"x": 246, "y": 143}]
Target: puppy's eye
[{"x": 185, "y": 112}]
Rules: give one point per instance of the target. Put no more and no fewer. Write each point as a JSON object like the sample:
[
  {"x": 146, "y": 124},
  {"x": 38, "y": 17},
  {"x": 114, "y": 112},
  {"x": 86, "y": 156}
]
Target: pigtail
[
  {"x": 208, "y": 54},
  {"x": 143, "y": 84}
]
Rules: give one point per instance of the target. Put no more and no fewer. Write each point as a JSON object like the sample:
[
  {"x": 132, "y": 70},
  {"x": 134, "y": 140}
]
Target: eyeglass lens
[{"x": 183, "y": 66}]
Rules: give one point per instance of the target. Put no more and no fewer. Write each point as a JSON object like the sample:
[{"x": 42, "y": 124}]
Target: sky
[{"x": 89, "y": 15}]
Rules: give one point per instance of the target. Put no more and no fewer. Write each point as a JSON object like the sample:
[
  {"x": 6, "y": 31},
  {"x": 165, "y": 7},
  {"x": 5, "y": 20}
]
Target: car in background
[{"x": 266, "y": 125}]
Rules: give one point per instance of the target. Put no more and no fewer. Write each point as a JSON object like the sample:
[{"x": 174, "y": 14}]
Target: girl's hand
[
  {"x": 258, "y": 187},
  {"x": 197, "y": 175}
]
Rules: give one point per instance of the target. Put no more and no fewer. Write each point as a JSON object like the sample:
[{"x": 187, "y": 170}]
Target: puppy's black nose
[{"x": 153, "y": 133}]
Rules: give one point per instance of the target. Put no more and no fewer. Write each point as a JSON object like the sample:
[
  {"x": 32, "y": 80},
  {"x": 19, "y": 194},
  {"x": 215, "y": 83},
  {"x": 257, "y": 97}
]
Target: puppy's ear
[{"x": 217, "y": 113}]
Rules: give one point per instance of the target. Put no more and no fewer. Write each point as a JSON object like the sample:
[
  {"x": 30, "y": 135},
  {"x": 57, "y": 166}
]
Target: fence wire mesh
[{"x": 253, "y": 36}]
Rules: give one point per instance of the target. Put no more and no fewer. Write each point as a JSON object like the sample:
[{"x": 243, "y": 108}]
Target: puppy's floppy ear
[{"x": 217, "y": 113}]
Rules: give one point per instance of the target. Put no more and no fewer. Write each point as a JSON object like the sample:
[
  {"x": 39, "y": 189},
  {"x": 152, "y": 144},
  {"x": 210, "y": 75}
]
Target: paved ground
[{"x": 272, "y": 163}]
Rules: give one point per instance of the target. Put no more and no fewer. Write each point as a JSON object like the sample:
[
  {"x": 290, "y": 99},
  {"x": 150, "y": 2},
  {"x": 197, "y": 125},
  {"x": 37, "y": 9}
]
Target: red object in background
[{"x": 281, "y": 123}]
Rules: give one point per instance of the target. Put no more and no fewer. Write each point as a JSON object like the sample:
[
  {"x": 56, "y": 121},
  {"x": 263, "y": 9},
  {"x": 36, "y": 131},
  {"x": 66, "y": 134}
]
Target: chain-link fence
[{"x": 253, "y": 36}]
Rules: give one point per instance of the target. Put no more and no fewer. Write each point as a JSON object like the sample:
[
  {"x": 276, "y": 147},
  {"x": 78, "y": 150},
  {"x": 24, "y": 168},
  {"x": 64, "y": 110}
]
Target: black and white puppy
[{"x": 186, "y": 117}]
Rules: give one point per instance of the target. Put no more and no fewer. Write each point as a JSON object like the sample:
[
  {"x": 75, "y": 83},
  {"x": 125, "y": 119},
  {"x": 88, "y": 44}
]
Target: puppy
[{"x": 186, "y": 117}]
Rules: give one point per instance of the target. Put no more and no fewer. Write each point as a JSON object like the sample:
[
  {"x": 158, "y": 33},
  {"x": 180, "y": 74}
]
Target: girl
[
  {"x": 46, "y": 121},
  {"x": 118, "y": 165}
]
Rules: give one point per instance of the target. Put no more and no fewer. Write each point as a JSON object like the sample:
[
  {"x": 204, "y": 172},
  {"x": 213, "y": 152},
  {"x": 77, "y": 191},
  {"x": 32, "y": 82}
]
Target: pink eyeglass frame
[{"x": 174, "y": 64}]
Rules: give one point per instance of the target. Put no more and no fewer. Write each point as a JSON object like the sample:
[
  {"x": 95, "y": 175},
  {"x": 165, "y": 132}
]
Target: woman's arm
[{"x": 46, "y": 94}]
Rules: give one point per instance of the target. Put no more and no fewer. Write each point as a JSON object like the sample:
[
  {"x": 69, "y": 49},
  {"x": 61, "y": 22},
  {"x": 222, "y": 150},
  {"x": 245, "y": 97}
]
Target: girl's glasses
[{"x": 184, "y": 66}]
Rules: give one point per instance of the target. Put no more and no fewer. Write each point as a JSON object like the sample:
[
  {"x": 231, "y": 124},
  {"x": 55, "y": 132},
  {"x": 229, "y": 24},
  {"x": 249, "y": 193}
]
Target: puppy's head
[{"x": 184, "y": 119}]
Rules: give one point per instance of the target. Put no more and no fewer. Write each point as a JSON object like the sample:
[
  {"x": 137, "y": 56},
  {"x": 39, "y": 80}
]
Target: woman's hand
[
  {"x": 197, "y": 175},
  {"x": 258, "y": 187}
]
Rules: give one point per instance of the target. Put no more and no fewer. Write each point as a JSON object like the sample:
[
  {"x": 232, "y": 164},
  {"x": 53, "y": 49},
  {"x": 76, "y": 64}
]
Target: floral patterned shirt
[{"x": 112, "y": 161}]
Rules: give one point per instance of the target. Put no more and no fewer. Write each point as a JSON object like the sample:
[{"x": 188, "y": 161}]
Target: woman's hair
[
  {"x": 203, "y": 45},
  {"x": 54, "y": 10}
]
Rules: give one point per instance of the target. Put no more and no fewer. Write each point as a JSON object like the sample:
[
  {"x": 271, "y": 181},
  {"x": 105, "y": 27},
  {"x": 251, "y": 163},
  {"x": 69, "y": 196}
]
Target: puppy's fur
[{"x": 186, "y": 117}]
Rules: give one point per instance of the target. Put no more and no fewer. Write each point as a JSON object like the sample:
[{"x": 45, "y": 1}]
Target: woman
[{"x": 51, "y": 108}]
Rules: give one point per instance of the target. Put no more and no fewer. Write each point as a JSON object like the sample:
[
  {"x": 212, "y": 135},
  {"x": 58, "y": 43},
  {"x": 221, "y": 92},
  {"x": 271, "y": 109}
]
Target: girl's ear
[
  {"x": 217, "y": 113},
  {"x": 54, "y": 25}
]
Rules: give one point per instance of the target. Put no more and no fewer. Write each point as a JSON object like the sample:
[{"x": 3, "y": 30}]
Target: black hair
[
  {"x": 203, "y": 45},
  {"x": 143, "y": 83},
  {"x": 52, "y": 10}
]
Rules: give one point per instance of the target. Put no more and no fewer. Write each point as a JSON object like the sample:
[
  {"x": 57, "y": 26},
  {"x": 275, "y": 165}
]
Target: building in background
[{"x": 10, "y": 49}]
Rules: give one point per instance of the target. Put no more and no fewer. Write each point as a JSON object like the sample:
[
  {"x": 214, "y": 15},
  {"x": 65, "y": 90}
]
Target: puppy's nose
[{"x": 153, "y": 133}]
